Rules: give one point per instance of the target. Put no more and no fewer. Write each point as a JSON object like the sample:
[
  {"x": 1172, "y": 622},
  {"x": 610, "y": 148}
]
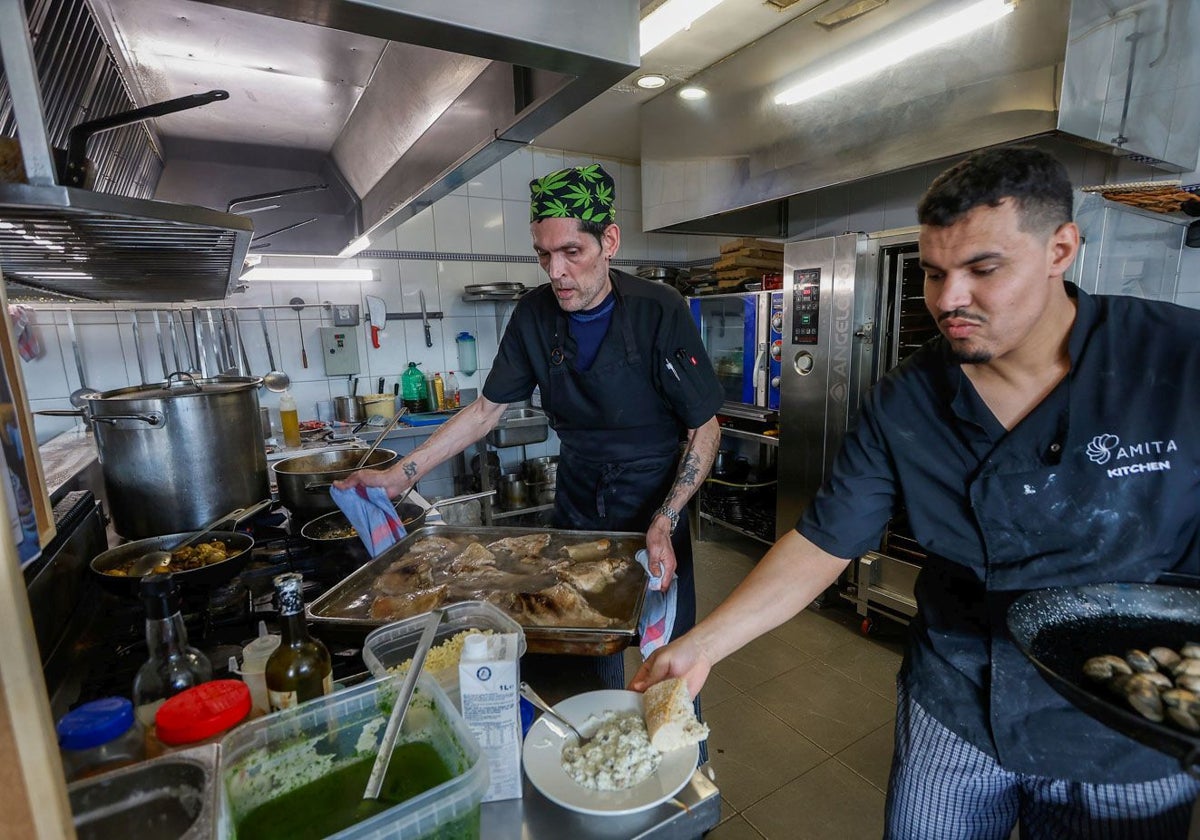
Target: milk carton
[{"x": 488, "y": 683}]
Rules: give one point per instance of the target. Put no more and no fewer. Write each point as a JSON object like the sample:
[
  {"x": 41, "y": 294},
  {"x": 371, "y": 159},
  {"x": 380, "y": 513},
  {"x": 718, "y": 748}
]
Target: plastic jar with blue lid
[{"x": 99, "y": 736}]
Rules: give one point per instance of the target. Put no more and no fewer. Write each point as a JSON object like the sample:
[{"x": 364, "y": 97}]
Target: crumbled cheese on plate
[{"x": 619, "y": 755}]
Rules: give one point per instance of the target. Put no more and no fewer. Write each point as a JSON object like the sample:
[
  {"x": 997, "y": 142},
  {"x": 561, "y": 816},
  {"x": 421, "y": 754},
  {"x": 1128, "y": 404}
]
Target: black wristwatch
[{"x": 672, "y": 516}]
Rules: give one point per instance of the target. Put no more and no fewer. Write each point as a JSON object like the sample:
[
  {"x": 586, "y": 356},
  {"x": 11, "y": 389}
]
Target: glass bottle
[
  {"x": 300, "y": 668},
  {"x": 173, "y": 664},
  {"x": 452, "y": 397},
  {"x": 289, "y": 418}
]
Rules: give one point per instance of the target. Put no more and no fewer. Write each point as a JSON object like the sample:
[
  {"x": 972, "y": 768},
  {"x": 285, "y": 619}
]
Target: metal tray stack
[
  {"x": 343, "y": 611},
  {"x": 493, "y": 291}
]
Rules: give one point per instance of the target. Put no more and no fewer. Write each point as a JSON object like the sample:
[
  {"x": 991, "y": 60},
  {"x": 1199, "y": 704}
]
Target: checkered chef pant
[{"x": 943, "y": 788}]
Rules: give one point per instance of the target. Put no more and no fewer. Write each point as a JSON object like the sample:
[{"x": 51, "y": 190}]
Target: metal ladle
[
  {"x": 275, "y": 380},
  {"x": 362, "y": 462}
]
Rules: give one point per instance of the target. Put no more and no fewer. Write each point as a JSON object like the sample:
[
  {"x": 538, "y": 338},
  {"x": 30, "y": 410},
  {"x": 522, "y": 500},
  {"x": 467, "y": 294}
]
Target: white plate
[{"x": 542, "y": 755}]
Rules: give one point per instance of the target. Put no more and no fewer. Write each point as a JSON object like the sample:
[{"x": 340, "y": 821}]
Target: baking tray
[{"x": 343, "y": 610}]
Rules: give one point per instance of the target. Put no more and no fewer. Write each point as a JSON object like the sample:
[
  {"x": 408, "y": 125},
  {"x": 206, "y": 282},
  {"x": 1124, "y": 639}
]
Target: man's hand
[
  {"x": 660, "y": 550},
  {"x": 394, "y": 479},
  {"x": 685, "y": 657}
]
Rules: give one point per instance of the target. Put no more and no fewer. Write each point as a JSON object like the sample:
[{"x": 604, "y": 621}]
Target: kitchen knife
[
  {"x": 377, "y": 315},
  {"x": 425, "y": 320}
]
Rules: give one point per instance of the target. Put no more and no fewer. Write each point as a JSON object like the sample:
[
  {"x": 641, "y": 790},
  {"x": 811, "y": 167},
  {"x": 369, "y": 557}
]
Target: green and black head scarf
[{"x": 581, "y": 192}]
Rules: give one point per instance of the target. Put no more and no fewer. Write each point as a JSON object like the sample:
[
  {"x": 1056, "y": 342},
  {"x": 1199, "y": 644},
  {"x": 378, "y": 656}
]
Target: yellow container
[{"x": 378, "y": 405}]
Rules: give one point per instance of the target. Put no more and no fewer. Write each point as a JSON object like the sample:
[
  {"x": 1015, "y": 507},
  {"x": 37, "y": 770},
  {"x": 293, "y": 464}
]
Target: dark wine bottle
[{"x": 300, "y": 668}]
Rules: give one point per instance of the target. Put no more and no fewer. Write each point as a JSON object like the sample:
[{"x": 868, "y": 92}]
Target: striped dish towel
[
  {"x": 658, "y": 612},
  {"x": 371, "y": 513}
]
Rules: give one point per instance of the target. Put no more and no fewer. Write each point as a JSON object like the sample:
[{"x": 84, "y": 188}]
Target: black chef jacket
[{"x": 1098, "y": 483}]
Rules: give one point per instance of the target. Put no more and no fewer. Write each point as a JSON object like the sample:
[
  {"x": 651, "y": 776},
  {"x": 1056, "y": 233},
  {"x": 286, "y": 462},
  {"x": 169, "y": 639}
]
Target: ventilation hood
[
  {"x": 1114, "y": 75},
  {"x": 344, "y": 118}
]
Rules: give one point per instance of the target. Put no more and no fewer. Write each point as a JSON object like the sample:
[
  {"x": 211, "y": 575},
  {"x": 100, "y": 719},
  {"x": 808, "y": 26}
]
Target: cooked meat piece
[
  {"x": 530, "y": 544},
  {"x": 593, "y": 550},
  {"x": 404, "y": 576},
  {"x": 473, "y": 557},
  {"x": 433, "y": 548},
  {"x": 560, "y": 605},
  {"x": 593, "y": 575},
  {"x": 394, "y": 607},
  {"x": 535, "y": 564}
]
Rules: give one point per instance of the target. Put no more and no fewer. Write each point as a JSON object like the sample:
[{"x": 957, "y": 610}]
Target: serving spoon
[
  {"x": 532, "y": 696},
  {"x": 161, "y": 560}
]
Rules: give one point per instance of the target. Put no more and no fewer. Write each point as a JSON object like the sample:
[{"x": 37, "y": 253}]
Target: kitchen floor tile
[
  {"x": 753, "y": 753},
  {"x": 762, "y": 659},
  {"x": 829, "y": 802},
  {"x": 868, "y": 664},
  {"x": 871, "y": 756},
  {"x": 735, "y": 828},
  {"x": 717, "y": 689},
  {"x": 827, "y": 707},
  {"x": 819, "y": 631}
]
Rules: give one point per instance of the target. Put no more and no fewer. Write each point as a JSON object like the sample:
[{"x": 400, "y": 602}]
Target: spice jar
[
  {"x": 99, "y": 736},
  {"x": 202, "y": 714}
]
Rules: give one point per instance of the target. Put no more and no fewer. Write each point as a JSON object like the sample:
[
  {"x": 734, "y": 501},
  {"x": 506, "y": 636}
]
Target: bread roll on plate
[{"x": 667, "y": 707}]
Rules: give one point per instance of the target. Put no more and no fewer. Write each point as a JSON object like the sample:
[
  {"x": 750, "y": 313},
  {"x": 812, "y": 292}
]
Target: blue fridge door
[{"x": 730, "y": 327}]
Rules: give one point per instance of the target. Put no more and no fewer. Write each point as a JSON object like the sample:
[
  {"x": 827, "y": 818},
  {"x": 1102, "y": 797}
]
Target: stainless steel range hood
[
  {"x": 1117, "y": 75},
  {"x": 391, "y": 103}
]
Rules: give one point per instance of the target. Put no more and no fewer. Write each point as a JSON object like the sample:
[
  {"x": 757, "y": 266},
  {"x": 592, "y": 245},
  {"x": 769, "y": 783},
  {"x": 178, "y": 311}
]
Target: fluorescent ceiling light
[
  {"x": 355, "y": 246},
  {"x": 669, "y": 18},
  {"x": 941, "y": 31},
  {"x": 691, "y": 92},
  {"x": 650, "y": 81},
  {"x": 311, "y": 275}
]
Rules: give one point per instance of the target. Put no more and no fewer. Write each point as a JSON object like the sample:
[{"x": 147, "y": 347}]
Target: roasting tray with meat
[{"x": 572, "y": 591}]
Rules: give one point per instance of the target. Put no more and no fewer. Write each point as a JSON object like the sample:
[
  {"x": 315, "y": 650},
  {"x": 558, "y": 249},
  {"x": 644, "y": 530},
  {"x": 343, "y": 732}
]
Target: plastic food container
[
  {"x": 99, "y": 736},
  {"x": 394, "y": 643},
  {"x": 274, "y": 755}
]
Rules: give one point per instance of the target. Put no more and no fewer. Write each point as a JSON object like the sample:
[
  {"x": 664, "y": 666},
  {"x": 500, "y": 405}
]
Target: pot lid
[{"x": 183, "y": 386}]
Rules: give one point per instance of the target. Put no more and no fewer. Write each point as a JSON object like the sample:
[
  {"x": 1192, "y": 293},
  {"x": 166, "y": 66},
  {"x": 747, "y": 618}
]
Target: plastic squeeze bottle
[{"x": 289, "y": 418}]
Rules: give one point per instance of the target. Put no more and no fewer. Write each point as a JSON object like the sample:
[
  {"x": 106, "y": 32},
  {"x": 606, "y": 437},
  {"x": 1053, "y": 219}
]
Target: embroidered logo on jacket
[{"x": 1105, "y": 448}]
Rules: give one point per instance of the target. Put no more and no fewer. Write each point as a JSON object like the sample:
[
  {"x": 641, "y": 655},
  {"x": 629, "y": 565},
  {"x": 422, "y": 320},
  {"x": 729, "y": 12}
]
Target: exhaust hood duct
[{"x": 1120, "y": 76}]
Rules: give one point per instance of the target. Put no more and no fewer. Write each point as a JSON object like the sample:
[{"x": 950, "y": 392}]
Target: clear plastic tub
[
  {"x": 395, "y": 643},
  {"x": 274, "y": 755}
]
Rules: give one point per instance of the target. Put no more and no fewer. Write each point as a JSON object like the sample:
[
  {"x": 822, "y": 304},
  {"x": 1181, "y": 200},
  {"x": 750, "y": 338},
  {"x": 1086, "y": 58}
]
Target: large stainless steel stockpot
[
  {"x": 177, "y": 454},
  {"x": 304, "y": 480}
]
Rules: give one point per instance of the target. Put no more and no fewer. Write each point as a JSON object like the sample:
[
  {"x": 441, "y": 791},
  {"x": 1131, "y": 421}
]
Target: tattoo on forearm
[
  {"x": 690, "y": 474},
  {"x": 409, "y": 469}
]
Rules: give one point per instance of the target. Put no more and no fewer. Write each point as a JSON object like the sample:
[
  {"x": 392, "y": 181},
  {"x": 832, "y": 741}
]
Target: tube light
[
  {"x": 669, "y": 18},
  {"x": 356, "y": 245},
  {"x": 974, "y": 16},
  {"x": 311, "y": 275}
]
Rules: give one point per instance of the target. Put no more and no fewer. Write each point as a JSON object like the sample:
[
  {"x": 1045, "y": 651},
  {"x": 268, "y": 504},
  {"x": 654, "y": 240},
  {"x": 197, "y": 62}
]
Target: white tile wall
[{"x": 488, "y": 215}]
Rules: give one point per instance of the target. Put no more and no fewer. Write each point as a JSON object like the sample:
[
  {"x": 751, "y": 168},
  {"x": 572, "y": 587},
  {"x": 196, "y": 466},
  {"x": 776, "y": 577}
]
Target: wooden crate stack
[{"x": 747, "y": 260}]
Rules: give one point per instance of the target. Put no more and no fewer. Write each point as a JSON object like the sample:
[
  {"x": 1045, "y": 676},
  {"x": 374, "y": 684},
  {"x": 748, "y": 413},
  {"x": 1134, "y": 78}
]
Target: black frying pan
[
  {"x": 239, "y": 546},
  {"x": 1059, "y": 629}
]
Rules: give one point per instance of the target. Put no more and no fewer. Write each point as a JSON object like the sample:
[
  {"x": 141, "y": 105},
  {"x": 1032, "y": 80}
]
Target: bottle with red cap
[
  {"x": 202, "y": 714},
  {"x": 300, "y": 668}
]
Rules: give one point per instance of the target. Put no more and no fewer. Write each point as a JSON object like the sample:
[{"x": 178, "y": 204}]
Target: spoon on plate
[{"x": 532, "y": 696}]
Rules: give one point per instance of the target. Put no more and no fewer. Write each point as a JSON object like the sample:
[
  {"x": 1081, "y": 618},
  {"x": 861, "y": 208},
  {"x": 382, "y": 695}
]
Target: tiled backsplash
[{"x": 483, "y": 226}]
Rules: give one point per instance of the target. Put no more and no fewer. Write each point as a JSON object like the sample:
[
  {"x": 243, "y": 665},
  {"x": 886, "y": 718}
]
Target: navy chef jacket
[{"x": 1098, "y": 483}]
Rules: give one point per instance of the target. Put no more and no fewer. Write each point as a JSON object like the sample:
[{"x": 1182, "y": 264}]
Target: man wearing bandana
[{"x": 623, "y": 378}]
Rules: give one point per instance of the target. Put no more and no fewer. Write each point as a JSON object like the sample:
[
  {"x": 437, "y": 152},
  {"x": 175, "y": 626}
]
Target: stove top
[{"x": 219, "y": 619}]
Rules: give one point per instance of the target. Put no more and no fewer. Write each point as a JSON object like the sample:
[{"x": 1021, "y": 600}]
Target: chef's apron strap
[{"x": 609, "y": 474}]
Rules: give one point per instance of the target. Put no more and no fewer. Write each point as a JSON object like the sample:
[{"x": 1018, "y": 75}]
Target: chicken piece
[
  {"x": 404, "y": 576},
  {"x": 593, "y": 550},
  {"x": 535, "y": 564},
  {"x": 529, "y": 544},
  {"x": 432, "y": 548},
  {"x": 394, "y": 607},
  {"x": 473, "y": 558},
  {"x": 560, "y": 605},
  {"x": 593, "y": 575}
]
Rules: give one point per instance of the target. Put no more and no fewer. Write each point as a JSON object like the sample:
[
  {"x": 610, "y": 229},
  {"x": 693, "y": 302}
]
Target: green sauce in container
[{"x": 335, "y": 801}]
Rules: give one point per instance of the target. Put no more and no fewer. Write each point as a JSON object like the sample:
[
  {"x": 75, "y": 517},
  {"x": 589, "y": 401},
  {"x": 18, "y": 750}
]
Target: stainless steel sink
[
  {"x": 173, "y": 796},
  {"x": 519, "y": 426}
]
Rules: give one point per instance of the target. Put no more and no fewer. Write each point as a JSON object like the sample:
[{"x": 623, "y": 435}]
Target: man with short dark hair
[
  {"x": 1013, "y": 440},
  {"x": 623, "y": 378}
]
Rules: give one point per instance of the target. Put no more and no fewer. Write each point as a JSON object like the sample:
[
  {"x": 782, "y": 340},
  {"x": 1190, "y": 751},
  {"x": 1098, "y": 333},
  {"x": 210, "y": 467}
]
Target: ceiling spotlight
[
  {"x": 691, "y": 93},
  {"x": 650, "y": 81}
]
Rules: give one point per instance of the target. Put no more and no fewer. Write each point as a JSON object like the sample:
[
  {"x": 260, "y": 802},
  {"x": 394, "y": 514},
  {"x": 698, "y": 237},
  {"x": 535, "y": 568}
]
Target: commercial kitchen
[{"x": 321, "y": 206}]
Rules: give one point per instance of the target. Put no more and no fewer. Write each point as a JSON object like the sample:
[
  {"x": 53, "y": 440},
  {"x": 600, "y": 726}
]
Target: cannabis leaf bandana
[{"x": 581, "y": 192}]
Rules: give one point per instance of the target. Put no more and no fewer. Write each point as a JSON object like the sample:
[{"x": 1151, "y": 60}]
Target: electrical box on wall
[{"x": 339, "y": 347}]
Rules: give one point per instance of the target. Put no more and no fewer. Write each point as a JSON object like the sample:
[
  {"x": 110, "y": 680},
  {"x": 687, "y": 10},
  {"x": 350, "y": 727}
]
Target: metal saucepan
[
  {"x": 304, "y": 480},
  {"x": 331, "y": 527},
  {"x": 1061, "y": 628},
  {"x": 239, "y": 546}
]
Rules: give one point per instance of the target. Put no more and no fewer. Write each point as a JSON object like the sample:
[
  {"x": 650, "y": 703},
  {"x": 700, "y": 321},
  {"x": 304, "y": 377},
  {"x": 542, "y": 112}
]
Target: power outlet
[{"x": 345, "y": 315}]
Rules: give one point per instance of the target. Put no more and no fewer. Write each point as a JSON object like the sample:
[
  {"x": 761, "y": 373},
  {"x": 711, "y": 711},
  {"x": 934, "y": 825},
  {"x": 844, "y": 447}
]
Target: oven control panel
[{"x": 806, "y": 303}]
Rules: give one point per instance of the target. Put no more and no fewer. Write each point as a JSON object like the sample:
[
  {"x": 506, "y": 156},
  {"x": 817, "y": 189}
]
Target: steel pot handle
[
  {"x": 154, "y": 419},
  {"x": 181, "y": 374},
  {"x": 62, "y": 412},
  {"x": 317, "y": 487}
]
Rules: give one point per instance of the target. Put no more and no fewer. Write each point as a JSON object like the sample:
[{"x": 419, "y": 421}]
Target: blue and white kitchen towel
[
  {"x": 371, "y": 513},
  {"x": 658, "y": 612}
]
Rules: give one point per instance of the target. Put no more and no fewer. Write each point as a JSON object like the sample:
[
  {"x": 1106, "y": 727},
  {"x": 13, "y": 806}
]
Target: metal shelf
[
  {"x": 769, "y": 440},
  {"x": 507, "y": 514},
  {"x": 732, "y": 527}
]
